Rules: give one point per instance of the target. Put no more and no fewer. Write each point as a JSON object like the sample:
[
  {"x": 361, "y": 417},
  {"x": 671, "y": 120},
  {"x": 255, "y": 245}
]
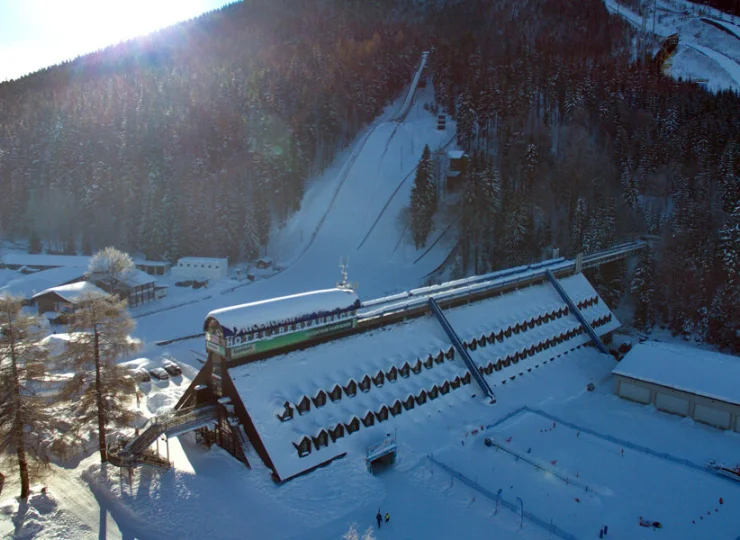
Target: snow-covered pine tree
[
  {"x": 34, "y": 242},
  {"x": 423, "y": 200},
  {"x": 466, "y": 120},
  {"x": 99, "y": 391},
  {"x": 643, "y": 292},
  {"x": 261, "y": 215},
  {"x": 250, "y": 233},
  {"x": 629, "y": 186},
  {"x": 25, "y": 418},
  {"x": 578, "y": 227}
]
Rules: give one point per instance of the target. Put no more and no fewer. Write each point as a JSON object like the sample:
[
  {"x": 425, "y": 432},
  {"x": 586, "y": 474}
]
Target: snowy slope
[
  {"x": 705, "y": 52},
  {"x": 341, "y": 212}
]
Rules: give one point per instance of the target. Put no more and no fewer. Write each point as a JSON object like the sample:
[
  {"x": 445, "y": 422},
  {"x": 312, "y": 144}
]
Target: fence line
[
  {"x": 621, "y": 442},
  {"x": 549, "y": 527}
]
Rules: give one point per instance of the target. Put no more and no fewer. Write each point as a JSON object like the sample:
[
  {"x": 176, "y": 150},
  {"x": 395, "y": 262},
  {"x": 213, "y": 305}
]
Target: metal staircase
[
  {"x": 574, "y": 309},
  {"x": 179, "y": 421},
  {"x": 462, "y": 351}
]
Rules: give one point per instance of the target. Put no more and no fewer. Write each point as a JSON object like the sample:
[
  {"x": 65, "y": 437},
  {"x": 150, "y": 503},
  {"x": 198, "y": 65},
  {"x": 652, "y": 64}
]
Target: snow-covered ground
[
  {"x": 367, "y": 193},
  {"x": 208, "y": 492},
  {"x": 356, "y": 210},
  {"x": 705, "y": 52}
]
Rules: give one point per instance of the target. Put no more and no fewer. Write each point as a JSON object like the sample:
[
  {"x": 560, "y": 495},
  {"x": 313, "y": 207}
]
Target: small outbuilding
[
  {"x": 200, "y": 268},
  {"x": 686, "y": 381},
  {"x": 153, "y": 268}
]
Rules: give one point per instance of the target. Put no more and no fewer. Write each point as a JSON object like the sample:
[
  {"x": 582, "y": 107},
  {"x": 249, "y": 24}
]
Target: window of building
[
  {"x": 396, "y": 408},
  {"x": 320, "y": 399},
  {"x": 303, "y": 447},
  {"x": 409, "y": 403},
  {"x": 369, "y": 419},
  {"x": 353, "y": 426},
  {"x": 321, "y": 440},
  {"x": 337, "y": 432},
  {"x": 287, "y": 413},
  {"x": 351, "y": 389},
  {"x": 304, "y": 406}
]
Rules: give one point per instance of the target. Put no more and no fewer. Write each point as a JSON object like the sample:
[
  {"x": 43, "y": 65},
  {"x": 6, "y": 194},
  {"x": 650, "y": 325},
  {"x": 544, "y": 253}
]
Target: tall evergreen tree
[
  {"x": 578, "y": 227},
  {"x": 643, "y": 292},
  {"x": 423, "y": 200},
  {"x": 250, "y": 233}
]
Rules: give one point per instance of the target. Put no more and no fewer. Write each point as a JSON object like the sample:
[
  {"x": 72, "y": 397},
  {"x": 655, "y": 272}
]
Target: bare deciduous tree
[
  {"x": 24, "y": 415},
  {"x": 99, "y": 390}
]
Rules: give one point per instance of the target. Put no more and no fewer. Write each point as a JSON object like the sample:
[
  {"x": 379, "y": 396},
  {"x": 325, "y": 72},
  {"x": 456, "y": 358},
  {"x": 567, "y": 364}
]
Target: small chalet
[
  {"x": 456, "y": 162},
  {"x": 263, "y": 263},
  {"x": 65, "y": 298},
  {"x": 153, "y": 268}
]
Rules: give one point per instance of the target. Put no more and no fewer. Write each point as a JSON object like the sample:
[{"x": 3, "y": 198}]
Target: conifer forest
[{"x": 199, "y": 140}]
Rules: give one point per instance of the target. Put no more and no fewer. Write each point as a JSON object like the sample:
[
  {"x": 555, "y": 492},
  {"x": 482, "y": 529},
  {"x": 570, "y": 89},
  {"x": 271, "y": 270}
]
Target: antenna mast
[{"x": 344, "y": 283}]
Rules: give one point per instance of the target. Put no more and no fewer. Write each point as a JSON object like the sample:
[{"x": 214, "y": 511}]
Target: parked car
[
  {"x": 159, "y": 373},
  {"x": 171, "y": 368},
  {"x": 141, "y": 375}
]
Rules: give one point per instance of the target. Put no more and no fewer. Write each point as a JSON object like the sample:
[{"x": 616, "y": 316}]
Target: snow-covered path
[{"x": 730, "y": 66}]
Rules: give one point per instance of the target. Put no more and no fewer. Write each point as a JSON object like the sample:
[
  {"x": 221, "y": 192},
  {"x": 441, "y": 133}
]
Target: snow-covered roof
[
  {"x": 74, "y": 291},
  {"x": 265, "y": 386},
  {"x": 710, "y": 374},
  {"x": 27, "y": 285},
  {"x": 136, "y": 277},
  {"x": 242, "y": 318},
  {"x": 212, "y": 260},
  {"x": 456, "y": 154},
  {"x": 152, "y": 264},
  {"x": 25, "y": 259}
]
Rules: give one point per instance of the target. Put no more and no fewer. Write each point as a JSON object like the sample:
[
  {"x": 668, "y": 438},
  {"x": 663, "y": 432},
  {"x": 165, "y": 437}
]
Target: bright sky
[{"x": 38, "y": 33}]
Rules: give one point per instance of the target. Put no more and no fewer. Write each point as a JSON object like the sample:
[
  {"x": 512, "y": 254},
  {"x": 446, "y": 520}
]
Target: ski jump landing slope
[{"x": 337, "y": 213}]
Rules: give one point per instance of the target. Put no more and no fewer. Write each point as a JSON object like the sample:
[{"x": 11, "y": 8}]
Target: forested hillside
[
  {"x": 575, "y": 146},
  {"x": 198, "y": 139},
  {"x": 190, "y": 140}
]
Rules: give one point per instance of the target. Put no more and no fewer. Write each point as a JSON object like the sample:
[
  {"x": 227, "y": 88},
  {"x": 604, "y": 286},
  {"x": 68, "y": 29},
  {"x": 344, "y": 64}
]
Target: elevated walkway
[
  {"x": 462, "y": 351},
  {"x": 574, "y": 309},
  {"x": 175, "y": 423}
]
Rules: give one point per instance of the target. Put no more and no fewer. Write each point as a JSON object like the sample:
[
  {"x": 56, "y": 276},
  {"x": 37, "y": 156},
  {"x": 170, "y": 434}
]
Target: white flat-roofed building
[
  {"x": 200, "y": 268},
  {"x": 681, "y": 380}
]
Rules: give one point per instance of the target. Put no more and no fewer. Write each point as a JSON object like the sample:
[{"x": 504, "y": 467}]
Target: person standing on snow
[
  {"x": 379, "y": 518},
  {"x": 387, "y": 517}
]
